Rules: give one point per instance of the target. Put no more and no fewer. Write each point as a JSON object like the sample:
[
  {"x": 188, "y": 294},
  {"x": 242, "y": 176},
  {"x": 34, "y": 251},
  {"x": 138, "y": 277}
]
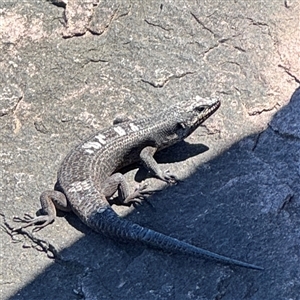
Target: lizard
[{"x": 88, "y": 176}]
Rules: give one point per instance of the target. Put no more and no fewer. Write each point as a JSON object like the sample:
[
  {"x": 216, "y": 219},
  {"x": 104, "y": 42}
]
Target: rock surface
[{"x": 68, "y": 68}]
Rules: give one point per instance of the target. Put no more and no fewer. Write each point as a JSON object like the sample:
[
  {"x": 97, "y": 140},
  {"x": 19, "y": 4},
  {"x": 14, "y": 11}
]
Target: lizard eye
[{"x": 200, "y": 109}]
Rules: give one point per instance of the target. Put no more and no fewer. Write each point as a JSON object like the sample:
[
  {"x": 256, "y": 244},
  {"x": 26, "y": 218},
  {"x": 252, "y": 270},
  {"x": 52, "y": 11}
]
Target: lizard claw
[
  {"x": 27, "y": 218},
  {"x": 169, "y": 178},
  {"x": 33, "y": 221}
]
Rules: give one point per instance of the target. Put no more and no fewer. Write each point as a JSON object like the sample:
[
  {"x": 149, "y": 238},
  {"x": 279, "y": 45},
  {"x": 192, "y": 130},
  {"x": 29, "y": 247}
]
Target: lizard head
[{"x": 186, "y": 116}]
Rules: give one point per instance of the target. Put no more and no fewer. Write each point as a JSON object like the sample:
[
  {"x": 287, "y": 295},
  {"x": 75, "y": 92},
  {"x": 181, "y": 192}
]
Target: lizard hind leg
[
  {"x": 117, "y": 183},
  {"x": 50, "y": 201}
]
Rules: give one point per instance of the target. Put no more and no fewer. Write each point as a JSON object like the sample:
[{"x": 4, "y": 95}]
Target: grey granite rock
[{"x": 68, "y": 69}]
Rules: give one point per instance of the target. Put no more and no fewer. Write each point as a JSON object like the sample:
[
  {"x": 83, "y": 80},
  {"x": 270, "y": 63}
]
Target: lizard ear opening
[
  {"x": 181, "y": 129},
  {"x": 181, "y": 125}
]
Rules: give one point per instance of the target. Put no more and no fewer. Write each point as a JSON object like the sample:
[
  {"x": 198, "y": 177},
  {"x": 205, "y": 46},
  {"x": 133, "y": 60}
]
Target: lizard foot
[
  {"x": 138, "y": 195},
  {"x": 33, "y": 221},
  {"x": 136, "y": 198},
  {"x": 169, "y": 178}
]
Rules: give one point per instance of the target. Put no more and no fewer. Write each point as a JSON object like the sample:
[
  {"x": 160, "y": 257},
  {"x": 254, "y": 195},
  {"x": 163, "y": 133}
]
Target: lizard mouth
[{"x": 207, "y": 113}]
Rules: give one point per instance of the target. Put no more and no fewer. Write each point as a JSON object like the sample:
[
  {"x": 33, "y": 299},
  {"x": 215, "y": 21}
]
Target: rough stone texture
[{"x": 69, "y": 67}]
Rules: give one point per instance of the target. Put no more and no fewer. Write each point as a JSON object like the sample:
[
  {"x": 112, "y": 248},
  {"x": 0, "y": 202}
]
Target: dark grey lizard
[{"x": 87, "y": 178}]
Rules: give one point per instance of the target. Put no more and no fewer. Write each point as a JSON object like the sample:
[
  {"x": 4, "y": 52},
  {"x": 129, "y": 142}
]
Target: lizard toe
[
  {"x": 169, "y": 178},
  {"x": 28, "y": 221}
]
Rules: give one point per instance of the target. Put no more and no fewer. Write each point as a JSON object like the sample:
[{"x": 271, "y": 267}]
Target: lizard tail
[{"x": 110, "y": 224}]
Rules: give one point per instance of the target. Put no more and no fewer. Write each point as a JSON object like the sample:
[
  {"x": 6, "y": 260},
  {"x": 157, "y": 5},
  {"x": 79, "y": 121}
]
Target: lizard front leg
[
  {"x": 50, "y": 201},
  {"x": 153, "y": 167}
]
